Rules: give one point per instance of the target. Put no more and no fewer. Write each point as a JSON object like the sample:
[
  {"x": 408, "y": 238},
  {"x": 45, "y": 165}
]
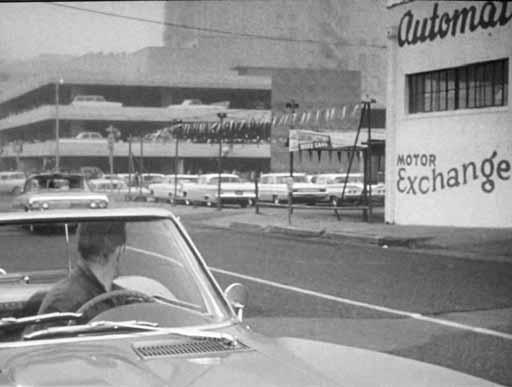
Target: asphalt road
[
  {"x": 311, "y": 286},
  {"x": 356, "y": 295}
]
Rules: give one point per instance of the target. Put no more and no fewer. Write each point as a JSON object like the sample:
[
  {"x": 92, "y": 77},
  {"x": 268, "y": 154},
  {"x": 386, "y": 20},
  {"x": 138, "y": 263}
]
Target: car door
[{"x": 263, "y": 188}]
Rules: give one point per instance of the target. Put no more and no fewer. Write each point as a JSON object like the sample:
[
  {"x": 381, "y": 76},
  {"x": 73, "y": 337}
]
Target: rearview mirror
[{"x": 238, "y": 296}]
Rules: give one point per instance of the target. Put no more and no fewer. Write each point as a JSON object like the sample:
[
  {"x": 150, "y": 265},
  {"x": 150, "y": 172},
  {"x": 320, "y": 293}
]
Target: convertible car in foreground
[{"x": 166, "y": 321}]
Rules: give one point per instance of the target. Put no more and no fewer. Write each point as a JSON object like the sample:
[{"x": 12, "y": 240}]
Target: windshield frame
[{"x": 217, "y": 306}]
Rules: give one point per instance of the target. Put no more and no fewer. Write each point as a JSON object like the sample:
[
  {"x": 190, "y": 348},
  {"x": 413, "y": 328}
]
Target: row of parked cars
[
  {"x": 188, "y": 189},
  {"x": 272, "y": 187}
]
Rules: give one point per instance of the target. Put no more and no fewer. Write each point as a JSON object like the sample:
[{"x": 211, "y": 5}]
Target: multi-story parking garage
[{"x": 32, "y": 118}]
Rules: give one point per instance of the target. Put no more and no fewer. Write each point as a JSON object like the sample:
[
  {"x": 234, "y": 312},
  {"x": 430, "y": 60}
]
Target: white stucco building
[{"x": 449, "y": 114}]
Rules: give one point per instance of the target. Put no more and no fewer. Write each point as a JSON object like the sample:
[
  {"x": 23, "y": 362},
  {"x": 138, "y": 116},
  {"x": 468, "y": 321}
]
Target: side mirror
[{"x": 238, "y": 296}]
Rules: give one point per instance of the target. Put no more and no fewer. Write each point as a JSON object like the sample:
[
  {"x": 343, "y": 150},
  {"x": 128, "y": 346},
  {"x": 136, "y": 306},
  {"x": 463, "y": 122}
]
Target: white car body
[
  {"x": 233, "y": 190},
  {"x": 197, "y": 103},
  {"x": 117, "y": 188},
  {"x": 89, "y": 136},
  {"x": 334, "y": 183},
  {"x": 51, "y": 191},
  {"x": 378, "y": 190},
  {"x": 274, "y": 187},
  {"x": 94, "y": 101},
  {"x": 165, "y": 189},
  {"x": 12, "y": 182}
]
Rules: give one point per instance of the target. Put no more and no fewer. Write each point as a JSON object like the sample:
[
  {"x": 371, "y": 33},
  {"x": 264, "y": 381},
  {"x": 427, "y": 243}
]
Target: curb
[
  {"x": 295, "y": 231},
  {"x": 246, "y": 226},
  {"x": 410, "y": 242},
  {"x": 370, "y": 239}
]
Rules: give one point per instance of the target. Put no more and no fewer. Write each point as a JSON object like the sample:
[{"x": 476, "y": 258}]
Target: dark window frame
[{"x": 475, "y": 86}]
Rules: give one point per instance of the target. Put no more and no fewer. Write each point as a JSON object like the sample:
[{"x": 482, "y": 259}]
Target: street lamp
[
  {"x": 291, "y": 106},
  {"x": 57, "y": 129},
  {"x": 221, "y": 116}
]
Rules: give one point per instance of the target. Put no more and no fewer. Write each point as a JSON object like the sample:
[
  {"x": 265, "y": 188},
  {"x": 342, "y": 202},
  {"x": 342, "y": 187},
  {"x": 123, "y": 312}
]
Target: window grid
[{"x": 473, "y": 86}]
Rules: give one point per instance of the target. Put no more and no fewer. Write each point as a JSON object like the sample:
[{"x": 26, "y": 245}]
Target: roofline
[{"x": 131, "y": 213}]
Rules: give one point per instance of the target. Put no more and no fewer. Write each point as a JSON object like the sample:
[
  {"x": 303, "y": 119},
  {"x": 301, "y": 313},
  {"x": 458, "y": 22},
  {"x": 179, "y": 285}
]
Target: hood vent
[{"x": 193, "y": 347}]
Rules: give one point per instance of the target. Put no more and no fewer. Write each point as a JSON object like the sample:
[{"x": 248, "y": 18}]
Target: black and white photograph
[{"x": 253, "y": 193}]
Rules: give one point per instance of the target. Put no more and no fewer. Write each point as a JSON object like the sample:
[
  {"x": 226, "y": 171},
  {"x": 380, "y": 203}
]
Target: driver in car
[{"x": 100, "y": 245}]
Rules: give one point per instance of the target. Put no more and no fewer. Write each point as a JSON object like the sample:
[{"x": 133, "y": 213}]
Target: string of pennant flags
[
  {"x": 344, "y": 117},
  {"x": 331, "y": 118}
]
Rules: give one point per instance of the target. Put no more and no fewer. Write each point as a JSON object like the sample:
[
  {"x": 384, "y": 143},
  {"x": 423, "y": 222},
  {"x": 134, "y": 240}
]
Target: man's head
[{"x": 97, "y": 241}]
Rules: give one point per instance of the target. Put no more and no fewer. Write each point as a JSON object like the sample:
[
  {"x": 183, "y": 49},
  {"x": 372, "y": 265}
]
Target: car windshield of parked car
[
  {"x": 57, "y": 183},
  {"x": 296, "y": 179},
  {"x": 224, "y": 179},
  {"x": 49, "y": 267}
]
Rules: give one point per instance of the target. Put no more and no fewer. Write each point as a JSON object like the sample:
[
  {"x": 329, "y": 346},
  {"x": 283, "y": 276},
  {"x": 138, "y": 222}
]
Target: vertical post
[
  {"x": 256, "y": 193},
  {"x": 141, "y": 174},
  {"x": 369, "y": 159},
  {"x": 176, "y": 159},
  {"x": 219, "y": 202},
  {"x": 130, "y": 166},
  {"x": 57, "y": 129},
  {"x": 291, "y": 106},
  {"x": 111, "y": 140}
]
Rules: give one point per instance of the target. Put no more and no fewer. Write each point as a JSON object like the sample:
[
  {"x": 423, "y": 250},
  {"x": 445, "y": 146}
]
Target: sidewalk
[{"x": 470, "y": 243}]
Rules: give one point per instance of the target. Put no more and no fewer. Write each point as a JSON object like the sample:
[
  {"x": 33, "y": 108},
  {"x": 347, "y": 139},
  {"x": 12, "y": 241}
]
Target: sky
[{"x": 30, "y": 29}]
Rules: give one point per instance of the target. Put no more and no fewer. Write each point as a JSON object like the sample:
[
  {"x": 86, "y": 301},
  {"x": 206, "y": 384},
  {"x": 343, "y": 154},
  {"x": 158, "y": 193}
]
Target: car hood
[{"x": 263, "y": 362}]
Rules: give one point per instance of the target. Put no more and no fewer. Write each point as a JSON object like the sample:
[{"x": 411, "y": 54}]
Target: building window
[{"x": 473, "y": 86}]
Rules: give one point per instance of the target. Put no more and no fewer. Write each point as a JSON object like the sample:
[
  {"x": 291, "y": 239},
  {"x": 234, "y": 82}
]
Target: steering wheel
[{"x": 108, "y": 300}]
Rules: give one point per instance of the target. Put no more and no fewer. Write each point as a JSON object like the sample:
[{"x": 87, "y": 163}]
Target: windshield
[
  {"x": 55, "y": 182},
  {"x": 223, "y": 179},
  {"x": 48, "y": 273},
  {"x": 296, "y": 179}
]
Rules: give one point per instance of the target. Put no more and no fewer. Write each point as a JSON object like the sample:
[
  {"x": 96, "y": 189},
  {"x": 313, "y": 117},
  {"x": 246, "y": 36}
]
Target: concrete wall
[{"x": 421, "y": 146}]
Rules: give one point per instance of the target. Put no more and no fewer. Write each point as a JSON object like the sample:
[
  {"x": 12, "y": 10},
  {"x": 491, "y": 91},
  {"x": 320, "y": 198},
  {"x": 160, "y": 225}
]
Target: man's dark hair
[{"x": 100, "y": 239}]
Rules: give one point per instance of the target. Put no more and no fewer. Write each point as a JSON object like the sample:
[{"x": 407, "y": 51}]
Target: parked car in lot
[
  {"x": 165, "y": 322},
  {"x": 165, "y": 190},
  {"x": 94, "y": 100},
  {"x": 12, "y": 182},
  {"x": 117, "y": 189},
  {"x": 233, "y": 190},
  {"x": 58, "y": 191},
  {"x": 273, "y": 187},
  {"x": 378, "y": 189},
  {"x": 89, "y": 136},
  {"x": 135, "y": 179},
  {"x": 334, "y": 183}
]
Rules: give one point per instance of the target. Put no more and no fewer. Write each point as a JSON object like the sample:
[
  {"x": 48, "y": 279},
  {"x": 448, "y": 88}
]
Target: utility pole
[
  {"x": 221, "y": 116},
  {"x": 57, "y": 129},
  {"x": 111, "y": 141},
  {"x": 291, "y": 106}
]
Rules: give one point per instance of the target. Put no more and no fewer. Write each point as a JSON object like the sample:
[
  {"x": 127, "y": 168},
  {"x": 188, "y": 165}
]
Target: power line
[{"x": 213, "y": 30}]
